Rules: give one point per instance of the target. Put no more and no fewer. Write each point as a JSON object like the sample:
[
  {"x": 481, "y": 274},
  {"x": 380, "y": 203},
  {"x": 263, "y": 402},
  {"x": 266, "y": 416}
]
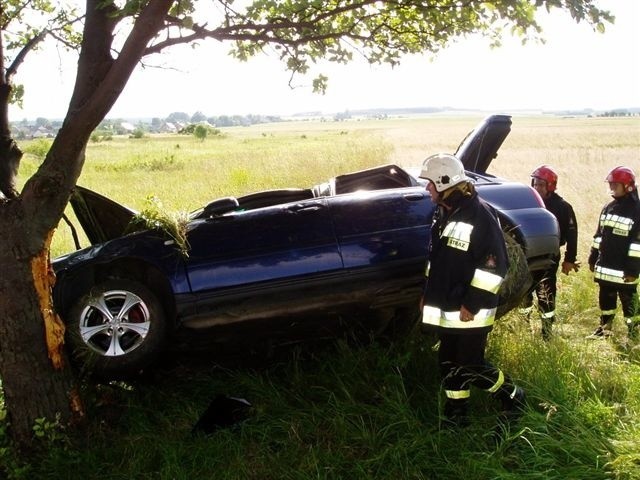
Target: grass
[{"x": 334, "y": 410}]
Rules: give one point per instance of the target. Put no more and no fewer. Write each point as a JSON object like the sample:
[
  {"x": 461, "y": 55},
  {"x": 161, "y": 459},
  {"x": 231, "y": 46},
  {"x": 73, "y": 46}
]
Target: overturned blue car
[{"x": 280, "y": 265}]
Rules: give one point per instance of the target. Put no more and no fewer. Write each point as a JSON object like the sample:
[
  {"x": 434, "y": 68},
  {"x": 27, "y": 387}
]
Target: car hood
[
  {"x": 481, "y": 145},
  {"x": 100, "y": 218}
]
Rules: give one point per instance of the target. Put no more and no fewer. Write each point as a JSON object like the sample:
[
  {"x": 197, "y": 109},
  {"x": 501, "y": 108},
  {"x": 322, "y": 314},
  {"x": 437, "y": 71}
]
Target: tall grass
[{"x": 334, "y": 410}]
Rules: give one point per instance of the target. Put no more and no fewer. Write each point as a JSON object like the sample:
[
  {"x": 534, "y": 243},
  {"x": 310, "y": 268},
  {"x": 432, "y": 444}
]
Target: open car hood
[
  {"x": 101, "y": 219},
  {"x": 481, "y": 145}
]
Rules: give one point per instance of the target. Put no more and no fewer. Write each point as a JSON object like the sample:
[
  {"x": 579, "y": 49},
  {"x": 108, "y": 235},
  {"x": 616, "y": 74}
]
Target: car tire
[
  {"x": 116, "y": 329},
  {"x": 517, "y": 281}
]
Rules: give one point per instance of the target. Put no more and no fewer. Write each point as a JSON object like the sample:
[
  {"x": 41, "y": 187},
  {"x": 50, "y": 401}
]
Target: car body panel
[
  {"x": 266, "y": 244},
  {"x": 519, "y": 206},
  {"x": 396, "y": 231}
]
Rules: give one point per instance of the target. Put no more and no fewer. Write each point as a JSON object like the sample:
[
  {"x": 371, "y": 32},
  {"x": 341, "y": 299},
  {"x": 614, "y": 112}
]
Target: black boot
[
  {"x": 603, "y": 331},
  {"x": 456, "y": 413},
  {"x": 513, "y": 401}
]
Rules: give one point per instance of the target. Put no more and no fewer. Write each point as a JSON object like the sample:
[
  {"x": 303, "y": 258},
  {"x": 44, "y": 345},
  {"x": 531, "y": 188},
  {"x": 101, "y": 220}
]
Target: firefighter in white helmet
[{"x": 467, "y": 263}]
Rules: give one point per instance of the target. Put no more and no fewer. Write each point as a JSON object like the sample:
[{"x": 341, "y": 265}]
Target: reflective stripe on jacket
[
  {"x": 611, "y": 275},
  {"x": 439, "y": 318}
]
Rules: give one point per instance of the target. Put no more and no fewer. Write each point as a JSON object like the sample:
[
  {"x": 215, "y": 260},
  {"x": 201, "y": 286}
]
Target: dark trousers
[
  {"x": 608, "y": 301},
  {"x": 462, "y": 362},
  {"x": 545, "y": 282}
]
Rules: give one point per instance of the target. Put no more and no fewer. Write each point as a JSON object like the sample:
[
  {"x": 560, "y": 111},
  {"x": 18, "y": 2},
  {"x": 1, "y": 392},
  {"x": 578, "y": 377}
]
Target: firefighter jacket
[
  {"x": 467, "y": 263},
  {"x": 563, "y": 211},
  {"x": 615, "y": 252}
]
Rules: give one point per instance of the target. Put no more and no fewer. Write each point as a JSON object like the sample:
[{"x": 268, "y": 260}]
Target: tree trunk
[{"x": 36, "y": 377}]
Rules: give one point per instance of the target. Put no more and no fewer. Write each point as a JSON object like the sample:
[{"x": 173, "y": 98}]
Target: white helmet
[{"x": 444, "y": 171}]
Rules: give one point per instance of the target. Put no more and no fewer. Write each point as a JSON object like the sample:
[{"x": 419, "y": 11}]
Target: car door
[
  {"x": 383, "y": 237},
  {"x": 256, "y": 255}
]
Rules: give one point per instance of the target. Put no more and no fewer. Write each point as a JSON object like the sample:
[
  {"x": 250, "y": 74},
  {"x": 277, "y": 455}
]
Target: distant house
[
  {"x": 167, "y": 127},
  {"x": 43, "y": 132},
  {"x": 127, "y": 127}
]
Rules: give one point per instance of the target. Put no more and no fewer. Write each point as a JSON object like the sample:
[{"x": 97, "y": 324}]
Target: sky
[{"x": 575, "y": 69}]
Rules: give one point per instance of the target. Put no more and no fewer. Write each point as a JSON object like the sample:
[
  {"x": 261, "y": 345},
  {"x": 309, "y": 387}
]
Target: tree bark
[{"x": 36, "y": 380}]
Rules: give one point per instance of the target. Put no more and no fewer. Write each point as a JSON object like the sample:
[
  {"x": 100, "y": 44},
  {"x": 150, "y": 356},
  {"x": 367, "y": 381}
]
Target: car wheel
[
  {"x": 117, "y": 329},
  {"x": 517, "y": 281}
]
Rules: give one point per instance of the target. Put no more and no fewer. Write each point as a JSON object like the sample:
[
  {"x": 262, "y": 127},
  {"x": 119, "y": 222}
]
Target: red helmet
[
  {"x": 623, "y": 175},
  {"x": 546, "y": 173}
]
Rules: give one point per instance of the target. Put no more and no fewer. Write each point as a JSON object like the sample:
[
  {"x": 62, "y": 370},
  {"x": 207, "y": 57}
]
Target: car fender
[{"x": 125, "y": 257}]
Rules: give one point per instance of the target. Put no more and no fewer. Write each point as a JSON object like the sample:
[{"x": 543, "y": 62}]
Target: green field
[{"x": 340, "y": 412}]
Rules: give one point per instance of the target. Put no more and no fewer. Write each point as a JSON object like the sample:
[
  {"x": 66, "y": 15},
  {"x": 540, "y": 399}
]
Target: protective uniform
[
  {"x": 615, "y": 255},
  {"x": 546, "y": 280},
  {"x": 467, "y": 263}
]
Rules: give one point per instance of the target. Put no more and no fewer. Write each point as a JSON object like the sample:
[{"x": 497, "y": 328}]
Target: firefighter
[
  {"x": 467, "y": 263},
  {"x": 545, "y": 181},
  {"x": 615, "y": 253}
]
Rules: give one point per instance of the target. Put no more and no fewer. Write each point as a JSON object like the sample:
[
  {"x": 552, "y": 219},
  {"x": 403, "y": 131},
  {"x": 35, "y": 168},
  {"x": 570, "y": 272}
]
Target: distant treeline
[
  {"x": 217, "y": 121},
  {"x": 620, "y": 113},
  {"x": 177, "y": 121}
]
